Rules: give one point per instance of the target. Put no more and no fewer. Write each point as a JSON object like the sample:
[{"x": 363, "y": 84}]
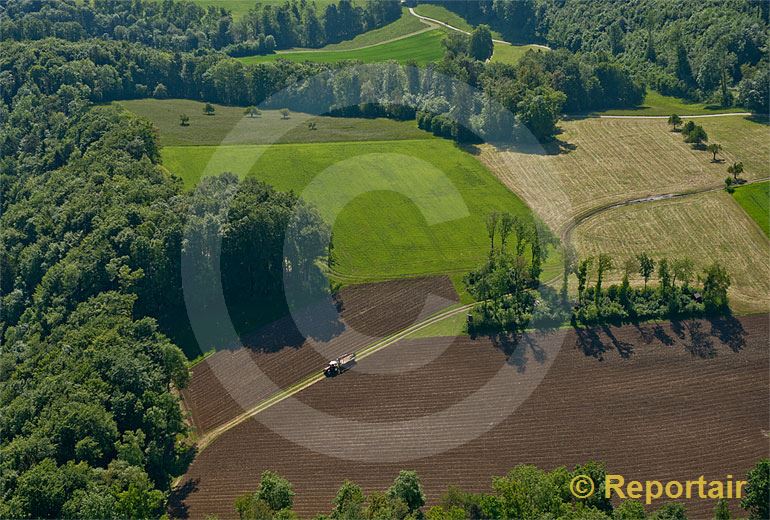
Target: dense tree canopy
[
  {"x": 687, "y": 48},
  {"x": 186, "y": 26}
]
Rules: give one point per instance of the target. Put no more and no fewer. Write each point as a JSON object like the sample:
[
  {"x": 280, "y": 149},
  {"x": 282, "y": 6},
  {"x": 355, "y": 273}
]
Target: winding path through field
[{"x": 566, "y": 235}]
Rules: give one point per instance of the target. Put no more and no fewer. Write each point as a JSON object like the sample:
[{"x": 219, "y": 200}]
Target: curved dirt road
[
  {"x": 566, "y": 234},
  {"x": 452, "y": 27}
]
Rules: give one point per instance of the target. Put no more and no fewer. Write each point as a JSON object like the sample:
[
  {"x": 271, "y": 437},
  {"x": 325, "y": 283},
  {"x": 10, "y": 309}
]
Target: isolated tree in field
[
  {"x": 696, "y": 136},
  {"x": 735, "y": 169},
  {"x": 184, "y": 120},
  {"x": 714, "y": 149},
  {"x": 480, "y": 45},
  {"x": 674, "y": 120},
  {"x": 407, "y": 487},
  {"x": 312, "y": 125},
  {"x": 492, "y": 221},
  {"x": 688, "y": 127},
  {"x": 252, "y": 111},
  {"x": 284, "y": 113},
  {"x": 757, "y": 498},
  {"x": 603, "y": 264},
  {"x": 209, "y": 109},
  {"x": 646, "y": 267}
]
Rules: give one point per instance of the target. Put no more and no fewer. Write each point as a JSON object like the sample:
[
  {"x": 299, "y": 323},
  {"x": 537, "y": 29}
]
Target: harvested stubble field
[
  {"x": 677, "y": 401},
  {"x": 705, "y": 227},
  {"x": 604, "y": 161},
  {"x": 227, "y": 383}
]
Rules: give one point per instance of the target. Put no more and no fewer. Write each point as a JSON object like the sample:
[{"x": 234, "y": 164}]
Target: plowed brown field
[
  {"x": 229, "y": 382},
  {"x": 669, "y": 401}
]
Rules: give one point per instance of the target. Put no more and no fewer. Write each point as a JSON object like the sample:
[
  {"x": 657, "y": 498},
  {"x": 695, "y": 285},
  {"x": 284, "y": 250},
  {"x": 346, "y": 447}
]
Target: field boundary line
[
  {"x": 205, "y": 440},
  {"x": 566, "y": 234}
]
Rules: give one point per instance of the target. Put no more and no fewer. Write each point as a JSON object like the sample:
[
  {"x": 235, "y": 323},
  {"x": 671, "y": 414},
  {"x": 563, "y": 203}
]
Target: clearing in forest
[
  {"x": 230, "y": 125},
  {"x": 406, "y": 207},
  {"x": 421, "y": 48}
]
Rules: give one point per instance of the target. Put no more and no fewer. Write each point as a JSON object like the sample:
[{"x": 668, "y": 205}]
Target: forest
[
  {"x": 186, "y": 26},
  {"x": 91, "y": 245},
  {"x": 691, "y": 49}
]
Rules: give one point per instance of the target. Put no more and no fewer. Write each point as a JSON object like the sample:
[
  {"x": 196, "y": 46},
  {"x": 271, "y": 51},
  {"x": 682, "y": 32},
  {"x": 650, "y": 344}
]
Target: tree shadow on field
[
  {"x": 517, "y": 346},
  {"x": 624, "y": 348},
  {"x": 176, "y": 506},
  {"x": 593, "y": 345},
  {"x": 730, "y": 331},
  {"x": 589, "y": 341},
  {"x": 652, "y": 332},
  {"x": 700, "y": 343}
]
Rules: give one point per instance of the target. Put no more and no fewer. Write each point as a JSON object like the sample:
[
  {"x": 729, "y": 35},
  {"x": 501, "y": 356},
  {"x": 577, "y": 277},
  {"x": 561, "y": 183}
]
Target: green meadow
[
  {"x": 404, "y": 207},
  {"x": 511, "y": 54},
  {"x": 229, "y": 125},
  {"x": 656, "y": 104},
  {"x": 421, "y": 48},
  {"x": 755, "y": 200},
  {"x": 404, "y": 26}
]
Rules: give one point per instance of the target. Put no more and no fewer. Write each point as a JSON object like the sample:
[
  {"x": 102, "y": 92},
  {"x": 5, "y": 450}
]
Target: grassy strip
[
  {"x": 656, "y": 104},
  {"x": 755, "y": 200}
]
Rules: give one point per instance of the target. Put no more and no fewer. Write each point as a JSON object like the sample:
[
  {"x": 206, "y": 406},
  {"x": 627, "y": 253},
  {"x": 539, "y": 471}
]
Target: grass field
[
  {"x": 402, "y": 207},
  {"x": 512, "y": 53},
  {"x": 656, "y": 104},
  {"x": 405, "y": 25},
  {"x": 755, "y": 200},
  {"x": 705, "y": 227},
  {"x": 443, "y": 14},
  {"x": 421, "y": 48},
  {"x": 229, "y": 125},
  {"x": 604, "y": 161}
]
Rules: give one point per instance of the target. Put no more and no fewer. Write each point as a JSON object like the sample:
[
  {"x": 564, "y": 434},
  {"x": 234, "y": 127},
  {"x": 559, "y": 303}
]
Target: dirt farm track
[{"x": 655, "y": 401}]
